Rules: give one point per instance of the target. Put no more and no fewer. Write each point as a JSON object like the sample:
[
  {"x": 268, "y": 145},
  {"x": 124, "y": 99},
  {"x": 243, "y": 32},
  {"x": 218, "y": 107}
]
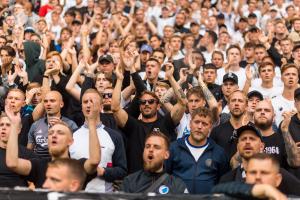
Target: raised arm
[
  {"x": 91, "y": 164},
  {"x": 120, "y": 114},
  {"x": 84, "y": 42},
  {"x": 292, "y": 150},
  {"x": 179, "y": 108},
  {"x": 70, "y": 87},
  {"x": 13, "y": 162}
]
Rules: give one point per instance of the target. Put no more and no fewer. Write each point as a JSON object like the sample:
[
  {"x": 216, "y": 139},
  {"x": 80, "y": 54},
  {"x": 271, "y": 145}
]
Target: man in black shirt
[
  {"x": 9, "y": 178},
  {"x": 156, "y": 151},
  {"x": 225, "y": 134},
  {"x": 59, "y": 140},
  {"x": 274, "y": 143},
  {"x": 136, "y": 130},
  {"x": 209, "y": 77}
]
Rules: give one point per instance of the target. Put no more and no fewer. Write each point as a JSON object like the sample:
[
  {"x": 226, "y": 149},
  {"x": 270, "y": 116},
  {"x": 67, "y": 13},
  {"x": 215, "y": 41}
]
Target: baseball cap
[
  {"x": 252, "y": 15},
  {"x": 255, "y": 93},
  {"x": 146, "y": 47},
  {"x": 106, "y": 57},
  {"x": 28, "y": 30},
  {"x": 230, "y": 76},
  {"x": 297, "y": 93},
  {"x": 249, "y": 127}
]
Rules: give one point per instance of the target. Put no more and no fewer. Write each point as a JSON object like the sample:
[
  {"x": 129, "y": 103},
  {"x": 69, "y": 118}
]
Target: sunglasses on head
[
  {"x": 107, "y": 95},
  {"x": 149, "y": 101}
]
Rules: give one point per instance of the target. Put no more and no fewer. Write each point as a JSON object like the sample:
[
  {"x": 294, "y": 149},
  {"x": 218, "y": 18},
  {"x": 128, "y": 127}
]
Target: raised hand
[
  {"x": 249, "y": 74},
  {"x": 169, "y": 70},
  {"x": 286, "y": 121},
  {"x": 11, "y": 77}
]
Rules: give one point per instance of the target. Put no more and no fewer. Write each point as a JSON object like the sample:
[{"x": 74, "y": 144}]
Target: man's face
[
  {"x": 159, "y": 56},
  {"x": 101, "y": 82},
  {"x": 228, "y": 87},
  {"x": 200, "y": 128},
  {"x": 148, "y": 106},
  {"x": 209, "y": 75},
  {"x": 267, "y": 73},
  {"x": 195, "y": 102},
  {"x": 180, "y": 19},
  {"x": 280, "y": 29},
  {"x": 234, "y": 55},
  {"x": 217, "y": 60},
  {"x": 106, "y": 67},
  {"x": 59, "y": 140},
  {"x": 262, "y": 172},
  {"x": 296, "y": 54},
  {"x": 286, "y": 46},
  {"x": 263, "y": 115},
  {"x": 37, "y": 97},
  {"x": 168, "y": 32},
  {"x": 252, "y": 102},
  {"x": 155, "y": 153},
  {"x": 58, "y": 179},
  {"x": 15, "y": 101},
  {"x": 155, "y": 42},
  {"x": 145, "y": 55},
  {"x": 195, "y": 29},
  {"x": 249, "y": 144},
  {"x": 197, "y": 59},
  {"x": 4, "y": 129},
  {"x": 260, "y": 53},
  {"x": 290, "y": 77},
  {"x": 296, "y": 25},
  {"x": 107, "y": 96},
  {"x": 176, "y": 43},
  {"x": 91, "y": 101},
  {"x": 188, "y": 42},
  {"x": 2, "y": 42},
  {"x": 52, "y": 103},
  {"x": 152, "y": 70},
  {"x": 237, "y": 104},
  {"x": 249, "y": 53},
  {"x": 160, "y": 91},
  {"x": 6, "y": 59}
]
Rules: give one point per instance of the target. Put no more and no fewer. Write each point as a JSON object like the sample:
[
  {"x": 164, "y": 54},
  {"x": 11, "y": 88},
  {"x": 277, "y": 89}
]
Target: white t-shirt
[
  {"x": 183, "y": 127},
  {"x": 241, "y": 74},
  {"x": 281, "y": 105},
  {"x": 196, "y": 151},
  {"x": 268, "y": 93}
]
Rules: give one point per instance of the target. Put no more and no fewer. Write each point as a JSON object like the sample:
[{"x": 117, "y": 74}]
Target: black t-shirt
[
  {"x": 39, "y": 167},
  {"x": 274, "y": 145},
  {"x": 9, "y": 178},
  {"x": 136, "y": 132},
  {"x": 26, "y": 121},
  {"x": 215, "y": 90},
  {"x": 225, "y": 136}
]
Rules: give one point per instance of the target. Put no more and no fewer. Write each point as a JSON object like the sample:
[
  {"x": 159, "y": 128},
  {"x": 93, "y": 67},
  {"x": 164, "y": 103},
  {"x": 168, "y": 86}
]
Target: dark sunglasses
[
  {"x": 149, "y": 101},
  {"x": 107, "y": 95}
]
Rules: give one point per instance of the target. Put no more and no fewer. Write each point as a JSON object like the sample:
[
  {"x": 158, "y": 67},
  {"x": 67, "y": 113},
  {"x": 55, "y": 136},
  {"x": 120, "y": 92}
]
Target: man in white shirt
[{"x": 285, "y": 101}]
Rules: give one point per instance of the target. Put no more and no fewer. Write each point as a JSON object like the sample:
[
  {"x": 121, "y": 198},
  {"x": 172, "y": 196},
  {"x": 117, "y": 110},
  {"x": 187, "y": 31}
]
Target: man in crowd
[
  {"x": 192, "y": 157},
  {"x": 153, "y": 178}
]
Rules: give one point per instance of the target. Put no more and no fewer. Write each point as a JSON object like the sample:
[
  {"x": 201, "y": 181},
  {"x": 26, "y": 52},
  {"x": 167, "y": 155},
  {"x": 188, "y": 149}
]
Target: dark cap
[
  {"x": 106, "y": 57},
  {"x": 146, "y": 48},
  {"x": 230, "y": 76},
  {"x": 220, "y": 16},
  {"x": 252, "y": 15},
  {"x": 250, "y": 127},
  {"x": 29, "y": 30},
  {"x": 255, "y": 93},
  {"x": 297, "y": 93}
]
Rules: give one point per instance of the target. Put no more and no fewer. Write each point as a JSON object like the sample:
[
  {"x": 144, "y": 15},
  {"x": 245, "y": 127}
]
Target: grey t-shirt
[{"x": 38, "y": 135}]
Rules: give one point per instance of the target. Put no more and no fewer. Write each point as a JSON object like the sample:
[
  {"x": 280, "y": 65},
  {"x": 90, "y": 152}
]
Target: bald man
[
  {"x": 38, "y": 133},
  {"x": 264, "y": 119}
]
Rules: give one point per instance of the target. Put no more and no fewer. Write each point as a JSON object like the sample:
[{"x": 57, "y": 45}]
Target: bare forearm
[
  {"x": 12, "y": 149},
  {"x": 115, "y": 103},
  {"x": 293, "y": 154},
  {"x": 209, "y": 97},
  {"x": 94, "y": 144},
  {"x": 178, "y": 91}
]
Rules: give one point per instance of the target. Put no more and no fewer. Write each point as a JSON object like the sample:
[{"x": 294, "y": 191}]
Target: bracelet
[{"x": 45, "y": 76}]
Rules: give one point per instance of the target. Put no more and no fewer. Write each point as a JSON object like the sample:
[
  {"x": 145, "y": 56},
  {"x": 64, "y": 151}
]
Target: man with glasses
[{"x": 136, "y": 130}]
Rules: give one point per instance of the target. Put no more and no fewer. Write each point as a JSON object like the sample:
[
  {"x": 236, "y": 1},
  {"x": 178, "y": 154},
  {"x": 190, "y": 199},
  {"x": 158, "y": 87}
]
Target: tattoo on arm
[
  {"x": 182, "y": 95},
  {"x": 207, "y": 94},
  {"x": 292, "y": 151}
]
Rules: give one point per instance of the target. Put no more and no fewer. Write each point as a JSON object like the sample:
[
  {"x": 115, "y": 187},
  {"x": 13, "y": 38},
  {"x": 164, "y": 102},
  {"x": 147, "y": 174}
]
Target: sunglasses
[
  {"x": 149, "y": 101},
  {"x": 107, "y": 95}
]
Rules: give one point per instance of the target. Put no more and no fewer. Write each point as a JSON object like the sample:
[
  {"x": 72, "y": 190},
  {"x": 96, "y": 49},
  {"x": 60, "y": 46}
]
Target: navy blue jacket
[{"x": 199, "y": 176}]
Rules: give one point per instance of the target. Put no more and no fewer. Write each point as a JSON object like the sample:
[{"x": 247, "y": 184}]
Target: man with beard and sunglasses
[
  {"x": 152, "y": 178},
  {"x": 136, "y": 130},
  {"x": 274, "y": 143}
]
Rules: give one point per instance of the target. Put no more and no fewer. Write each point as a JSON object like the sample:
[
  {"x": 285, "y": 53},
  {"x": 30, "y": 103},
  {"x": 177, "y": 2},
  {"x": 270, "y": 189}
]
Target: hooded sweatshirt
[{"x": 35, "y": 66}]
